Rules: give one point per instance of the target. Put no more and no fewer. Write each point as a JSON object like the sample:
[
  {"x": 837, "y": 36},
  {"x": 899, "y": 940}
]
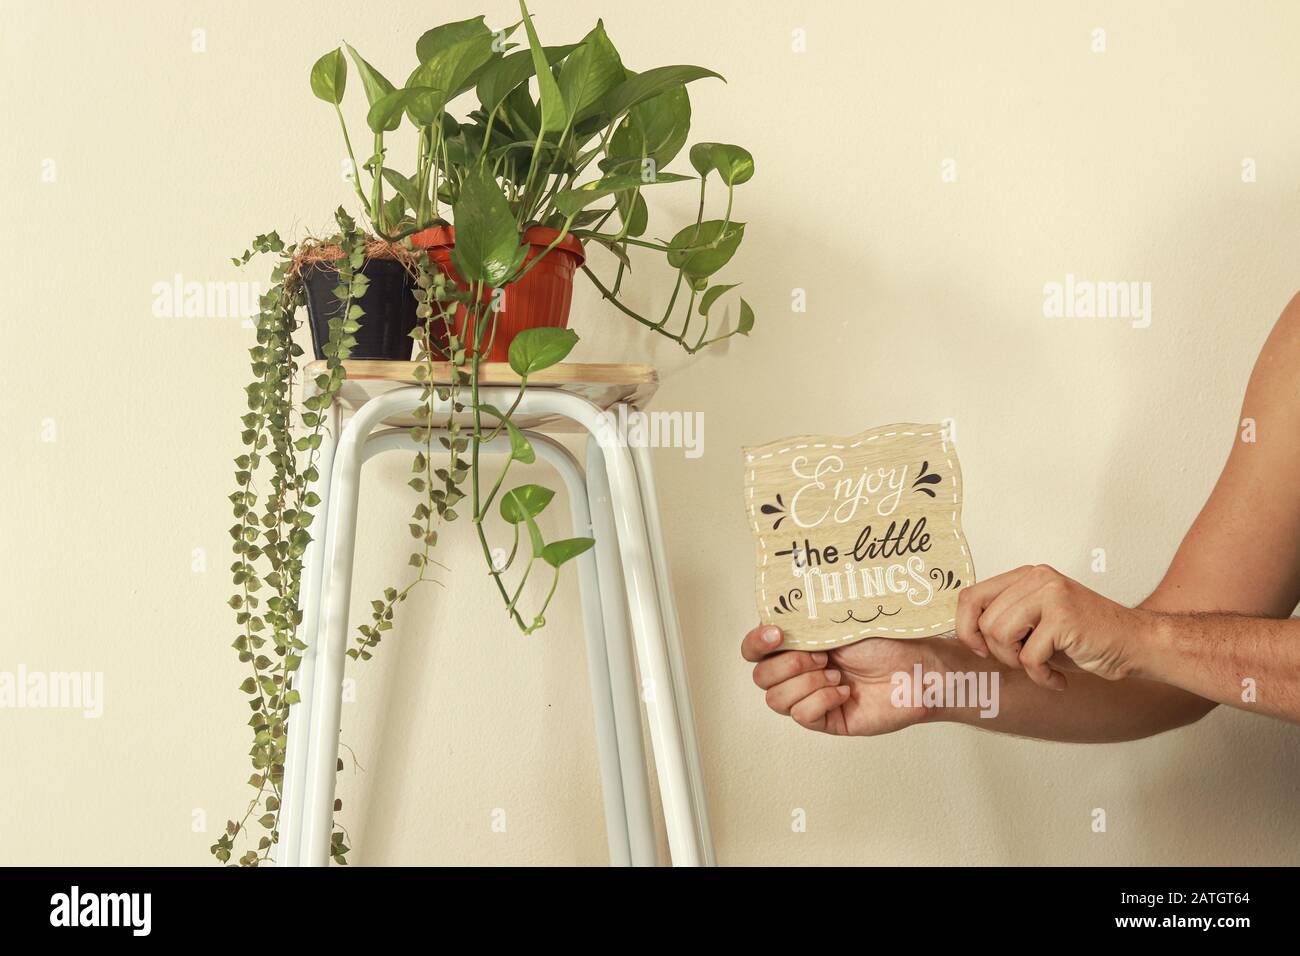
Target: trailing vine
[
  {"x": 439, "y": 488},
  {"x": 269, "y": 544}
]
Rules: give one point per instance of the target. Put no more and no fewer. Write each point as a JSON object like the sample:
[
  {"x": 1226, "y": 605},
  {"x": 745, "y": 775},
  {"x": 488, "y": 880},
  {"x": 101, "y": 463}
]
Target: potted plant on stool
[{"x": 532, "y": 182}]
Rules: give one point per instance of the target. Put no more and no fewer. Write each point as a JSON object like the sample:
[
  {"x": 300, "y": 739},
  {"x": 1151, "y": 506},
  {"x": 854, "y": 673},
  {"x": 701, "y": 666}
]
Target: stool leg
[
  {"x": 598, "y": 672},
  {"x": 294, "y": 785},
  {"x": 651, "y": 648},
  {"x": 327, "y": 705},
  {"x": 673, "y": 637},
  {"x": 622, "y": 667}
]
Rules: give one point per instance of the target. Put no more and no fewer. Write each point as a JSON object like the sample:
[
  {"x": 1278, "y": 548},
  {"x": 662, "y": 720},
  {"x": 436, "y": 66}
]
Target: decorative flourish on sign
[
  {"x": 785, "y": 604},
  {"x": 880, "y": 612},
  {"x": 926, "y": 477},
  {"x": 944, "y": 582},
  {"x": 776, "y": 509}
]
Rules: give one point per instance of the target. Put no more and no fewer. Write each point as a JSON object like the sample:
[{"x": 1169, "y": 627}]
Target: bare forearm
[
  {"x": 1089, "y": 710},
  {"x": 1251, "y": 663}
]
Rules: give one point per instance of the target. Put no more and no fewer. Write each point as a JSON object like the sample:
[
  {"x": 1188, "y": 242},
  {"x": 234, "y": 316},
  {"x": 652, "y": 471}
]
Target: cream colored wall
[{"x": 924, "y": 301}]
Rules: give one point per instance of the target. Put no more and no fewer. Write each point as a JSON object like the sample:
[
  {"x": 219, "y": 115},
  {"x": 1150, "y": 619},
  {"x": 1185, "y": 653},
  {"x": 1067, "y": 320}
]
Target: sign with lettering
[{"x": 858, "y": 537}]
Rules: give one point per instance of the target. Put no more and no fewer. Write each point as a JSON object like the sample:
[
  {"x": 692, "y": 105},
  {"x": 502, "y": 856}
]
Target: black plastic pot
[{"x": 388, "y": 304}]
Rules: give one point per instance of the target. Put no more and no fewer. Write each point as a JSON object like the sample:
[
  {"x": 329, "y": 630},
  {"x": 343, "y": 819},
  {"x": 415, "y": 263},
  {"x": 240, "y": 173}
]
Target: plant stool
[{"x": 623, "y": 579}]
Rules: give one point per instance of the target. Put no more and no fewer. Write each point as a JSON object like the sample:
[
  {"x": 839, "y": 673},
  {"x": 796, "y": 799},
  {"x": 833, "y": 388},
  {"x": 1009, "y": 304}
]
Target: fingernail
[
  {"x": 843, "y": 689},
  {"x": 833, "y": 676},
  {"x": 980, "y": 652},
  {"x": 820, "y": 658},
  {"x": 771, "y": 635}
]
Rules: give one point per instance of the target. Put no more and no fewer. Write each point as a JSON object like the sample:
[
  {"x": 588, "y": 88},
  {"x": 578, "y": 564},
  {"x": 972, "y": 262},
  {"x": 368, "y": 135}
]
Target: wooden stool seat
[{"x": 603, "y": 385}]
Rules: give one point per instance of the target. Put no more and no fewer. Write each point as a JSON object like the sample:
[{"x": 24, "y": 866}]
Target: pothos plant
[{"x": 563, "y": 136}]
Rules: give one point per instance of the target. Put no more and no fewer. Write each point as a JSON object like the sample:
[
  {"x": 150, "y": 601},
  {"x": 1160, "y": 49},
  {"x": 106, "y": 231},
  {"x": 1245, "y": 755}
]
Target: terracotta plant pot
[
  {"x": 540, "y": 299},
  {"x": 388, "y": 303}
]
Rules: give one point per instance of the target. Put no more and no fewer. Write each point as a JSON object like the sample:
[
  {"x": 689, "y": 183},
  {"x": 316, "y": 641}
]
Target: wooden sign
[{"x": 858, "y": 537}]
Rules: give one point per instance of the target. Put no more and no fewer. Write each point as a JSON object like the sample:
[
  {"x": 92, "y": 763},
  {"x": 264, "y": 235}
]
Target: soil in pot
[
  {"x": 388, "y": 304},
  {"x": 540, "y": 299}
]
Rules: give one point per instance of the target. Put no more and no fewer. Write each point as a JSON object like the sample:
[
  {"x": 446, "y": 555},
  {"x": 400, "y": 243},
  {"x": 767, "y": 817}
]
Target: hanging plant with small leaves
[{"x": 272, "y": 505}]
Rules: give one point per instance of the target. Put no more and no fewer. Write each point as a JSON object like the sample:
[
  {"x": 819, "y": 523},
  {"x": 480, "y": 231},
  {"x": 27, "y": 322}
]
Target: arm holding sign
[
  {"x": 1191, "y": 660},
  {"x": 1211, "y": 625},
  {"x": 1239, "y": 566}
]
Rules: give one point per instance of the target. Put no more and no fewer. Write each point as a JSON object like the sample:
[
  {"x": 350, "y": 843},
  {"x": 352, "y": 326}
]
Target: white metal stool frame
[
  {"x": 611, "y": 750},
  {"x": 608, "y": 749},
  {"x": 306, "y": 833},
  {"x": 673, "y": 642}
]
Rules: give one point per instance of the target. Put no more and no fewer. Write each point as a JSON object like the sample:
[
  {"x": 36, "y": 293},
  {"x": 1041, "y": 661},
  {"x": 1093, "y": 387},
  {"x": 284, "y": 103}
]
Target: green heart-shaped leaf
[
  {"x": 589, "y": 73},
  {"x": 329, "y": 77},
  {"x": 718, "y": 244},
  {"x": 734, "y": 163},
  {"x": 526, "y": 501},
  {"x": 535, "y": 349},
  {"x": 655, "y": 129},
  {"x": 452, "y": 55},
  {"x": 447, "y": 34},
  {"x": 558, "y": 552},
  {"x": 487, "y": 245}
]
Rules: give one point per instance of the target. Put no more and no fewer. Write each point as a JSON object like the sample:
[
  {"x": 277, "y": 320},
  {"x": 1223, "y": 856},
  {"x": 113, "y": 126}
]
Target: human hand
[
  {"x": 847, "y": 691},
  {"x": 1037, "y": 619}
]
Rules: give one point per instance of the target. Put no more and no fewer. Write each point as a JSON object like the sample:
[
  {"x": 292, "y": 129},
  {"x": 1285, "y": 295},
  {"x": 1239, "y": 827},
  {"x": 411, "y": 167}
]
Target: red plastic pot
[{"x": 540, "y": 299}]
